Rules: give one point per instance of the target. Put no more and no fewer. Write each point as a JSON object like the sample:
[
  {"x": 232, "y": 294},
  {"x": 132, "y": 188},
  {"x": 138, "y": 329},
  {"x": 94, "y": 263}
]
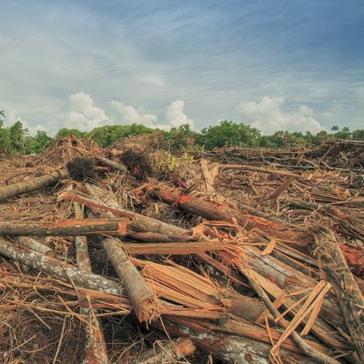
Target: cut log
[
  {"x": 35, "y": 245},
  {"x": 140, "y": 227},
  {"x": 170, "y": 353},
  {"x": 349, "y": 295},
  {"x": 230, "y": 348},
  {"x": 141, "y": 296},
  {"x": 212, "y": 210},
  {"x": 95, "y": 347},
  {"x": 54, "y": 268},
  {"x": 32, "y": 185},
  {"x": 114, "y": 227}
]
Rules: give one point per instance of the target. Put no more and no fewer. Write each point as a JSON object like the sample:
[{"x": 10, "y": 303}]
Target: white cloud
[
  {"x": 175, "y": 115},
  {"x": 268, "y": 116},
  {"x": 132, "y": 115},
  {"x": 84, "y": 115}
]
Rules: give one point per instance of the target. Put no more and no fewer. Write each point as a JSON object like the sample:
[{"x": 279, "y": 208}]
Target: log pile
[{"x": 219, "y": 260}]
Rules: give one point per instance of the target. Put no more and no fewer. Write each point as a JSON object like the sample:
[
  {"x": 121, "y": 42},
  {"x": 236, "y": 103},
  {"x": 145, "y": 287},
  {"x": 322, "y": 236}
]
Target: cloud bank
[{"x": 268, "y": 116}]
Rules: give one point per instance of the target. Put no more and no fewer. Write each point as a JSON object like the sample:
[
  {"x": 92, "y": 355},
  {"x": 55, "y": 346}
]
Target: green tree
[
  {"x": 37, "y": 143},
  {"x": 2, "y": 117},
  {"x": 17, "y": 137},
  {"x": 64, "y": 132},
  {"x": 228, "y": 133},
  {"x": 358, "y": 134}
]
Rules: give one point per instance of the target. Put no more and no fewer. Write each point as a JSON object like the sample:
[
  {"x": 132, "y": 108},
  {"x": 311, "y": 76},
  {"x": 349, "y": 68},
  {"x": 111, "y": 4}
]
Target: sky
[{"x": 295, "y": 65}]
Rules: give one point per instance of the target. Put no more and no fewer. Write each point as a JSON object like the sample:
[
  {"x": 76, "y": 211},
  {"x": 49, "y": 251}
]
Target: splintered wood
[{"x": 239, "y": 255}]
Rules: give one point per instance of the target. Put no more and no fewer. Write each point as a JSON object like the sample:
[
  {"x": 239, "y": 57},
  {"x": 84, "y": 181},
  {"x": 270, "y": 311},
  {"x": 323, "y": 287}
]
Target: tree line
[{"x": 16, "y": 139}]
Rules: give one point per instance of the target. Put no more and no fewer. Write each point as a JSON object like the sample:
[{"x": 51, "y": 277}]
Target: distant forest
[{"x": 15, "y": 139}]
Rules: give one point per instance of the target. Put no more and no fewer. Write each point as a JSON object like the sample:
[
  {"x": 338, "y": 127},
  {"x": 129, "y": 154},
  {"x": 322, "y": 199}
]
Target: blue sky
[{"x": 296, "y": 65}]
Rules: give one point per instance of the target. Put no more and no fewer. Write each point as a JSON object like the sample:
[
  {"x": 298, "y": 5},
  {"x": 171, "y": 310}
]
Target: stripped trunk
[
  {"x": 66, "y": 228},
  {"x": 95, "y": 347},
  {"x": 30, "y": 186}
]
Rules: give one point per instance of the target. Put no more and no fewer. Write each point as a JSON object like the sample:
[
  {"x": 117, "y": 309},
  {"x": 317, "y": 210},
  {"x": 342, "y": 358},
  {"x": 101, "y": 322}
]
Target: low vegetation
[{"x": 16, "y": 139}]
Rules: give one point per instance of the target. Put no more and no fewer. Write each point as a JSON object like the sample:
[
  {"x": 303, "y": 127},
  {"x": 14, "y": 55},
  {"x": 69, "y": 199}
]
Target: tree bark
[
  {"x": 349, "y": 295},
  {"x": 140, "y": 227},
  {"x": 55, "y": 269},
  {"x": 114, "y": 227},
  {"x": 95, "y": 347},
  {"x": 141, "y": 296},
  {"x": 32, "y": 185},
  {"x": 212, "y": 210},
  {"x": 230, "y": 348},
  {"x": 168, "y": 354}
]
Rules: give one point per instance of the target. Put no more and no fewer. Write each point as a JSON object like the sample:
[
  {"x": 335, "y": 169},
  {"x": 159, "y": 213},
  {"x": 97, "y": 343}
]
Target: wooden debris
[{"x": 31, "y": 185}]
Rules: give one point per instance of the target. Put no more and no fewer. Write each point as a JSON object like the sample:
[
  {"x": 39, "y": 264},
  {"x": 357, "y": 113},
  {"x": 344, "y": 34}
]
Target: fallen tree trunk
[
  {"x": 212, "y": 210},
  {"x": 349, "y": 295},
  {"x": 169, "y": 353},
  {"x": 142, "y": 297},
  {"x": 117, "y": 227},
  {"x": 229, "y": 348},
  {"x": 55, "y": 269},
  {"x": 35, "y": 245},
  {"x": 32, "y": 185},
  {"x": 95, "y": 347},
  {"x": 140, "y": 227}
]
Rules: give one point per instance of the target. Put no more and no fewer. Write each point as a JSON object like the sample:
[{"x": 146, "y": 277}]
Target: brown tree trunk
[
  {"x": 229, "y": 348},
  {"x": 114, "y": 227},
  {"x": 141, "y": 227},
  {"x": 95, "y": 347},
  {"x": 212, "y": 210},
  {"x": 31, "y": 185},
  {"x": 141, "y": 296},
  {"x": 54, "y": 268}
]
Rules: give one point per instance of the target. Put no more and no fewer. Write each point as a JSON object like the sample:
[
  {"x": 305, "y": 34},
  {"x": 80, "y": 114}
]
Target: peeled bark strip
[
  {"x": 290, "y": 279},
  {"x": 112, "y": 164},
  {"x": 310, "y": 351},
  {"x": 95, "y": 347},
  {"x": 30, "y": 186},
  {"x": 212, "y": 210},
  {"x": 349, "y": 295},
  {"x": 141, "y": 296},
  {"x": 141, "y": 227},
  {"x": 52, "y": 267},
  {"x": 170, "y": 353},
  {"x": 66, "y": 228}
]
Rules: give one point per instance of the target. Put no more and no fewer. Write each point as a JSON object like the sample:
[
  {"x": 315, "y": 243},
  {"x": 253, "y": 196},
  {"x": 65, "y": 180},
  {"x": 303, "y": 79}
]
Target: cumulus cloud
[
  {"x": 84, "y": 115},
  {"x": 268, "y": 116},
  {"x": 130, "y": 115},
  {"x": 175, "y": 115}
]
